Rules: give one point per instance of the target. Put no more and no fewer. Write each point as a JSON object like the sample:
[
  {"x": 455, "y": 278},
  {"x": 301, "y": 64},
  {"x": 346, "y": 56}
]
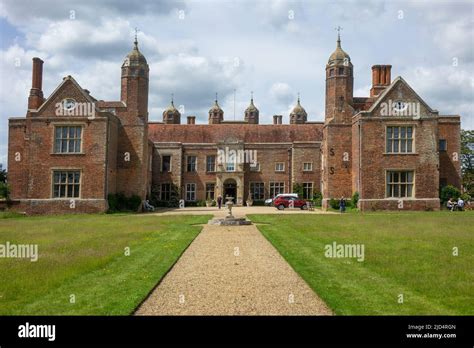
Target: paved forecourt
[{"x": 232, "y": 270}]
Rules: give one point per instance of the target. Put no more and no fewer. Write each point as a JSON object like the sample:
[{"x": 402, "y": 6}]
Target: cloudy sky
[{"x": 273, "y": 48}]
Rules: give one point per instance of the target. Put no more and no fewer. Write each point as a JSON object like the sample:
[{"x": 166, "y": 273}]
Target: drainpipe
[
  {"x": 290, "y": 168},
  {"x": 359, "y": 183}
]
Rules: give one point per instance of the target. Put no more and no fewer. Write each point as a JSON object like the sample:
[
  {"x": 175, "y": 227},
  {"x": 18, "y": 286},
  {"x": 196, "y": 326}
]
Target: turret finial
[
  {"x": 339, "y": 28},
  {"x": 136, "y": 38}
]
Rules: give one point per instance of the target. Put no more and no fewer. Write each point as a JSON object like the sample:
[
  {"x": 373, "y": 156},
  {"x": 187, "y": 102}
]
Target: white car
[{"x": 269, "y": 201}]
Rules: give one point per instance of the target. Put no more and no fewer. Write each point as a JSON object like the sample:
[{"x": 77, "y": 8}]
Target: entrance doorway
[{"x": 230, "y": 190}]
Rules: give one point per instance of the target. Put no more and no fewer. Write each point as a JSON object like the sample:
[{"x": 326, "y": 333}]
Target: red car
[{"x": 283, "y": 202}]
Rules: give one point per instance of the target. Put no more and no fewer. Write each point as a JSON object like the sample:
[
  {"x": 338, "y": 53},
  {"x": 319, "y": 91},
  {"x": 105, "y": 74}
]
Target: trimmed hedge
[{"x": 120, "y": 202}]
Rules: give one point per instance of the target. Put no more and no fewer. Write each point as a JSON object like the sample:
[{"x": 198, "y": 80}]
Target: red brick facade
[{"x": 385, "y": 147}]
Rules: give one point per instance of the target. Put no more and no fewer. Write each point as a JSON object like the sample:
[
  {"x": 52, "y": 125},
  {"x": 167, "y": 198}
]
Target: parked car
[
  {"x": 269, "y": 201},
  {"x": 283, "y": 202}
]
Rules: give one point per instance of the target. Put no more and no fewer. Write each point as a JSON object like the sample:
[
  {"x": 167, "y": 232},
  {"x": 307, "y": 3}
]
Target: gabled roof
[
  {"x": 387, "y": 90},
  {"x": 66, "y": 79}
]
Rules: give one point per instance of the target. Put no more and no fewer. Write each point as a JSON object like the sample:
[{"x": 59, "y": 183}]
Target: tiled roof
[{"x": 249, "y": 133}]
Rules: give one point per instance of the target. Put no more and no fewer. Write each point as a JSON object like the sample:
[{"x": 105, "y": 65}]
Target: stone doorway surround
[{"x": 237, "y": 175}]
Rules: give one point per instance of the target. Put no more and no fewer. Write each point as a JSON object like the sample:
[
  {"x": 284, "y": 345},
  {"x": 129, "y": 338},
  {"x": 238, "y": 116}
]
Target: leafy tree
[
  {"x": 467, "y": 160},
  {"x": 3, "y": 175}
]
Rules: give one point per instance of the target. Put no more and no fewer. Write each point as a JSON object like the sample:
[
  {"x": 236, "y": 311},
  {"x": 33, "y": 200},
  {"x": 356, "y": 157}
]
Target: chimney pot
[
  {"x": 191, "y": 119},
  {"x": 381, "y": 78},
  {"x": 36, "y": 93}
]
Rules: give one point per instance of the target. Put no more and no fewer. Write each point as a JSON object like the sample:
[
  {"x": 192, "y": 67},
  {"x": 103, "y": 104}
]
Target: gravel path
[{"x": 232, "y": 270}]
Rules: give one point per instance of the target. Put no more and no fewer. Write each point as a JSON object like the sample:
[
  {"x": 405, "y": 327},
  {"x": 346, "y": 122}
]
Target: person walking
[
  {"x": 342, "y": 204},
  {"x": 219, "y": 201}
]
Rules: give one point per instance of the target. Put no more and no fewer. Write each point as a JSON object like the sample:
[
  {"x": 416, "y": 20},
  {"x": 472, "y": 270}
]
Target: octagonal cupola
[
  {"x": 298, "y": 114},
  {"x": 339, "y": 56},
  {"x": 216, "y": 114},
  {"x": 251, "y": 113},
  {"x": 171, "y": 115}
]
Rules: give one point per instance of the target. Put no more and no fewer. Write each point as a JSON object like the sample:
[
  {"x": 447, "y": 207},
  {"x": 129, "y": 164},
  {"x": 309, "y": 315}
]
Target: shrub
[
  {"x": 466, "y": 197},
  {"x": 156, "y": 201},
  {"x": 334, "y": 203},
  {"x": 355, "y": 199},
  {"x": 298, "y": 188},
  {"x": 259, "y": 203},
  {"x": 4, "y": 190},
  {"x": 317, "y": 199},
  {"x": 120, "y": 202},
  {"x": 448, "y": 192}
]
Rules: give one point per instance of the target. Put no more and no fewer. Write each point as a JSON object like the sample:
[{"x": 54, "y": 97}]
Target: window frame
[
  {"x": 305, "y": 188},
  {"x": 311, "y": 167},
  {"x": 400, "y": 140},
  {"x": 67, "y": 140},
  {"x": 195, "y": 163},
  {"x": 187, "y": 191},
  {"x": 445, "y": 145},
  {"x": 283, "y": 167},
  {"x": 161, "y": 191},
  {"x": 262, "y": 189},
  {"x": 162, "y": 162},
  {"x": 66, "y": 170},
  {"x": 400, "y": 183},
  {"x": 272, "y": 183},
  {"x": 207, "y": 163}
]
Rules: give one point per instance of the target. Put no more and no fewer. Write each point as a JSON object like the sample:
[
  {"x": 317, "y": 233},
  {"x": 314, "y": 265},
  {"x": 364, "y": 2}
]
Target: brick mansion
[{"x": 72, "y": 150}]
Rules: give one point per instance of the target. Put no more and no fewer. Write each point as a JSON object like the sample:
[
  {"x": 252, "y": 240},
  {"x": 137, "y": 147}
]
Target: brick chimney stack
[
  {"x": 277, "y": 119},
  {"x": 191, "y": 119},
  {"x": 36, "y": 93},
  {"x": 381, "y": 78}
]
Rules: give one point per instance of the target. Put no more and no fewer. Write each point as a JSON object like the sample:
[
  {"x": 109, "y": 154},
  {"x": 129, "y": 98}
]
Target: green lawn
[
  {"x": 405, "y": 253},
  {"x": 84, "y": 256}
]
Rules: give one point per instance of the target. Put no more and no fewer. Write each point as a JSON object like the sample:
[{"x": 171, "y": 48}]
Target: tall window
[
  {"x": 191, "y": 164},
  {"x": 211, "y": 163},
  {"x": 230, "y": 165},
  {"x": 400, "y": 139},
  {"x": 279, "y": 167},
  {"x": 190, "y": 192},
  {"x": 442, "y": 145},
  {"x": 399, "y": 184},
  {"x": 166, "y": 164},
  {"x": 257, "y": 190},
  {"x": 66, "y": 184},
  {"x": 210, "y": 191},
  {"x": 165, "y": 192},
  {"x": 307, "y": 190},
  {"x": 67, "y": 139},
  {"x": 276, "y": 188},
  {"x": 307, "y": 166}
]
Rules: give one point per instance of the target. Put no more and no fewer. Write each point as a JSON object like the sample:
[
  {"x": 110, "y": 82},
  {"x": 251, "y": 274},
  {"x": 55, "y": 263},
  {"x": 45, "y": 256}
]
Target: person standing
[
  {"x": 342, "y": 204},
  {"x": 460, "y": 205},
  {"x": 219, "y": 201}
]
